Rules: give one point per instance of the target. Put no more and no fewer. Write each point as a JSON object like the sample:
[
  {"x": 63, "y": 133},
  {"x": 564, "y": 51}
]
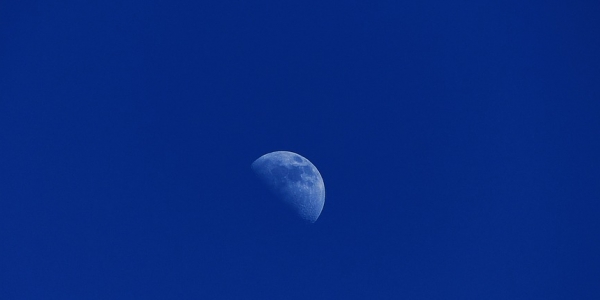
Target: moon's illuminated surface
[{"x": 294, "y": 180}]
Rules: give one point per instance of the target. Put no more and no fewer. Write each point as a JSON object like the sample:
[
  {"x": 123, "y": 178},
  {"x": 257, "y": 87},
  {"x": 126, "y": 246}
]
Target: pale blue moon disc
[{"x": 294, "y": 180}]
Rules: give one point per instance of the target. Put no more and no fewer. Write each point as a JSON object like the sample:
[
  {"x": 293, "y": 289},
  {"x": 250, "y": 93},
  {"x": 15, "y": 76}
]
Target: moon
[{"x": 294, "y": 180}]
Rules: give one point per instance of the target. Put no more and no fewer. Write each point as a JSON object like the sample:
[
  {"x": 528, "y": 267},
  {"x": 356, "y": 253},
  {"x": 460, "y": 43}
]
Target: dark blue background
[{"x": 459, "y": 143}]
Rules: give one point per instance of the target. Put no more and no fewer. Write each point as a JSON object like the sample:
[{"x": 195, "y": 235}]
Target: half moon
[{"x": 294, "y": 180}]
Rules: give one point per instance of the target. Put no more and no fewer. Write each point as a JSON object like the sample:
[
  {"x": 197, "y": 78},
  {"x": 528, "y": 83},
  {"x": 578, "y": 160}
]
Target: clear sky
[{"x": 459, "y": 143}]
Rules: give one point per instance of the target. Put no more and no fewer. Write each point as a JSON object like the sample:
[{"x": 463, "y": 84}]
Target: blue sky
[{"x": 458, "y": 142}]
